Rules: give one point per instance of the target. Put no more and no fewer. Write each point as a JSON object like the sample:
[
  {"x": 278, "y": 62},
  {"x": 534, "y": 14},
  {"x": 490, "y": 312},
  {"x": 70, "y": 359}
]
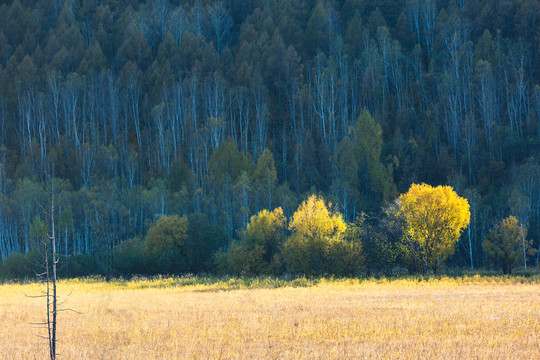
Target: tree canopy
[
  {"x": 435, "y": 218},
  {"x": 316, "y": 230},
  {"x": 506, "y": 244}
]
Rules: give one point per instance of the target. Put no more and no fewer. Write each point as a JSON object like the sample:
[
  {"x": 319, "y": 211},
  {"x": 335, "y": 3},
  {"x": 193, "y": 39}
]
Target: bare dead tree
[
  {"x": 49, "y": 276},
  {"x": 51, "y": 323}
]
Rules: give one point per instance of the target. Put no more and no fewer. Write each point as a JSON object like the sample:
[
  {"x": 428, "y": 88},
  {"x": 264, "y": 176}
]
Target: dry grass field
[{"x": 463, "y": 318}]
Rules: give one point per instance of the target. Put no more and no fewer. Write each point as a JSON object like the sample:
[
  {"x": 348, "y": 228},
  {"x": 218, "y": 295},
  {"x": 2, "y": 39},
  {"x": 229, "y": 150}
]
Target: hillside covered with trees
[{"x": 209, "y": 112}]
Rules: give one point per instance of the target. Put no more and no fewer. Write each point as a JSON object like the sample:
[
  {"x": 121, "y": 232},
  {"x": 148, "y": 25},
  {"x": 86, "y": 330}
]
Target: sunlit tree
[
  {"x": 435, "y": 218},
  {"x": 316, "y": 231}
]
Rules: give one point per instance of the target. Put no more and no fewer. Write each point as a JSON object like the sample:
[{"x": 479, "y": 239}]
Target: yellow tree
[
  {"x": 316, "y": 231},
  {"x": 435, "y": 217},
  {"x": 257, "y": 251}
]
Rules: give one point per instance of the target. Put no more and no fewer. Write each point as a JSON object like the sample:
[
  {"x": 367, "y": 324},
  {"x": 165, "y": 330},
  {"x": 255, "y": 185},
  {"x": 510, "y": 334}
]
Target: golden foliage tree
[
  {"x": 314, "y": 219},
  {"x": 316, "y": 231},
  {"x": 435, "y": 217}
]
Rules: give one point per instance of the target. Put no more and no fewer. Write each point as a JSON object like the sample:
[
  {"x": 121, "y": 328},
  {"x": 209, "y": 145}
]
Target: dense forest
[{"x": 212, "y": 111}]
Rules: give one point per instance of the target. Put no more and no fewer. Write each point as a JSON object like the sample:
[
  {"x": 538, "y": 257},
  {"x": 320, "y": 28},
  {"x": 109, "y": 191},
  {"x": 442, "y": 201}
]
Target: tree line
[
  {"x": 228, "y": 108},
  {"x": 416, "y": 234}
]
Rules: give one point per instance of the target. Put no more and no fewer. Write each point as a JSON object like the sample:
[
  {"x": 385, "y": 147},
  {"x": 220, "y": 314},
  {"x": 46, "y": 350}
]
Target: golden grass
[{"x": 188, "y": 318}]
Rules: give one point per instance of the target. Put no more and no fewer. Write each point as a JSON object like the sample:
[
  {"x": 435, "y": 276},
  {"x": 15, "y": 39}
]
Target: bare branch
[
  {"x": 71, "y": 310},
  {"x": 35, "y": 296}
]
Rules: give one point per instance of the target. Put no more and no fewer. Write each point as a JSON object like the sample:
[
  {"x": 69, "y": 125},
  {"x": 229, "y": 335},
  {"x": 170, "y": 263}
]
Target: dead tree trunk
[{"x": 51, "y": 279}]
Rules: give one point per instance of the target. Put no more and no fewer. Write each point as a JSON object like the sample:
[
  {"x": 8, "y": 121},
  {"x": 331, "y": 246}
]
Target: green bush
[
  {"x": 129, "y": 258},
  {"x": 346, "y": 257},
  {"x": 165, "y": 245},
  {"x": 202, "y": 241},
  {"x": 84, "y": 265},
  {"x": 21, "y": 266},
  {"x": 505, "y": 244}
]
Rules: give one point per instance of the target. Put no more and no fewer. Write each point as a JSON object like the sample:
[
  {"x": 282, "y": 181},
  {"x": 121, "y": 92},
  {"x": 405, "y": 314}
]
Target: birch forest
[{"x": 201, "y": 114}]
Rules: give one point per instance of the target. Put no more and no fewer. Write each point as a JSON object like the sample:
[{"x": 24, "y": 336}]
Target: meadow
[{"x": 263, "y": 318}]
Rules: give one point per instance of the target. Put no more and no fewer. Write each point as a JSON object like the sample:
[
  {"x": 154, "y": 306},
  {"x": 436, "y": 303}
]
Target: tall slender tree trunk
[{"x": 52, "y": 323}]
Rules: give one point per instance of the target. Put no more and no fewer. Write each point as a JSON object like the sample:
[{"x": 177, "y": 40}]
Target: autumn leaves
[
  {"x": 321, "y": 242},
  {"x": 435, "y": 217}
]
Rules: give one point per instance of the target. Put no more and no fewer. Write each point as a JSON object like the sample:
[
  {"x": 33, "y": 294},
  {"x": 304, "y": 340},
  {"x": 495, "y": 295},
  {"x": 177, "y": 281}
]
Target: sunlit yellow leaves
[
  {"x": 316, "y": 233},
  {"x": 267, "y": 222},
  {"x": 313, "y": 219},
  {"x": 435, "y": 217}
]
